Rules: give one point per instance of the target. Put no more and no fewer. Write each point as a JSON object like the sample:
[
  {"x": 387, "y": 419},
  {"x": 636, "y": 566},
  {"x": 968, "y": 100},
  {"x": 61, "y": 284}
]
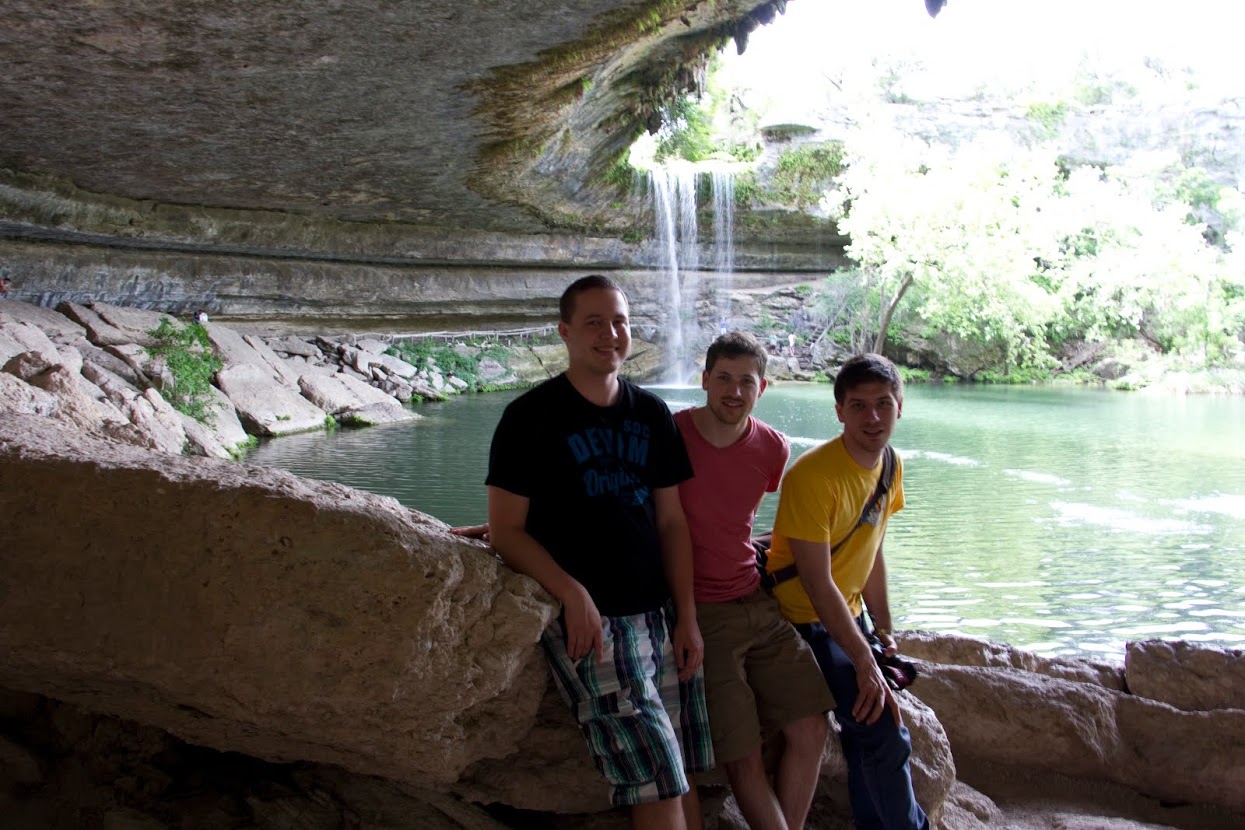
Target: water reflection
[{"x": 1063, "y": 520}]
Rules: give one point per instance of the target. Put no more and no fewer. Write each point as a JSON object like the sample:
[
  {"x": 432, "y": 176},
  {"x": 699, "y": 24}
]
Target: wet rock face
[{"x": 363, "y": 111}]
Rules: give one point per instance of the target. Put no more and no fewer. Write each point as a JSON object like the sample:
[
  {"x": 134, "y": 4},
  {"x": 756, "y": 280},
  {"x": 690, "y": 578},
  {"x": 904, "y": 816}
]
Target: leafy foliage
[
  {"x": 1048, "y": 117},
  {"x": 460, "y": 360},
  {"x": 803, "y": 172},
  {"x": 995, "y": 244},
  {"x": 192, "y": 363},
  {"x": 687, "y": 131}
]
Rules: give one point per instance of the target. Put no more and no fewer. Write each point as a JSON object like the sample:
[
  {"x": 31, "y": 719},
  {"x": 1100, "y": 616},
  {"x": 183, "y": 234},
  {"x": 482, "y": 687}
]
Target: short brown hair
[
  {"x": 867, "y": 368},
  {"x": 566, "y": 305},
  {"x": 737, "y": 344}
]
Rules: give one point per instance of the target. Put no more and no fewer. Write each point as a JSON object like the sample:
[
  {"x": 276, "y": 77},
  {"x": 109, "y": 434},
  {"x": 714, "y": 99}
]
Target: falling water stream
[{"x": 673, "y": 191}]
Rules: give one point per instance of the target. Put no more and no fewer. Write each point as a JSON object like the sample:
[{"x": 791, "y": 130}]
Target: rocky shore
[{"x": 196, "y": 642}]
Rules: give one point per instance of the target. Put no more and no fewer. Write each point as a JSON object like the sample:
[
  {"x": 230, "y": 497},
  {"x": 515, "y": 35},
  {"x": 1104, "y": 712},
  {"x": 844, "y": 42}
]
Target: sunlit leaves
[{"x": 995, "y": 243}]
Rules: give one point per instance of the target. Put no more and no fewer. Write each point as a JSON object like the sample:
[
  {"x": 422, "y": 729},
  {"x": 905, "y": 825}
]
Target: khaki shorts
[{"x": 760, "y": 675}]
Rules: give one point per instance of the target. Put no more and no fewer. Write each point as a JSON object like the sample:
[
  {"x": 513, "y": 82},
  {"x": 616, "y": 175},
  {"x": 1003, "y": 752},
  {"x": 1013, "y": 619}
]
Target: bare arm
[
  {"x": 878, "y": 602},
  {"x": 507, "y": 521},
  {"x": 812, "y": 560},
  {"x": 676, "y": 553}
]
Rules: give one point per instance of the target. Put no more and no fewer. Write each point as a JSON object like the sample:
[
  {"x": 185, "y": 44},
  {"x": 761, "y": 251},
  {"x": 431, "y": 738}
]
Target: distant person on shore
[
  {"x": 760, "y": 676},
  {"x": 583, "y": 497},
  {"x": 791, "y": 343},
  {"x": 832, "y": 504},
  {"x": 5, "y": 282},
  {"x": 201, "y": 316}
]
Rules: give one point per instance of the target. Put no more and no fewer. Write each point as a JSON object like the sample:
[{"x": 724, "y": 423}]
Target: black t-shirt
[{"x": 589, "y": 473}]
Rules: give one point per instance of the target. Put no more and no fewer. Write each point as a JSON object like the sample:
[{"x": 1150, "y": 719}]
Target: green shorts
[
  {"x": 643, "y": 726},
  {"x": 760, "y": 675}
]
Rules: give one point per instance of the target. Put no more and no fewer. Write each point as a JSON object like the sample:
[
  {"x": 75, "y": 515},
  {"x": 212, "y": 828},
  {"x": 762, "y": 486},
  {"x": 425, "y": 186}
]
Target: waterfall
[
  {"x": 674, "y": 211},
  {"x": 723, "y": 240},
  {"x": 673, "y": 190}
]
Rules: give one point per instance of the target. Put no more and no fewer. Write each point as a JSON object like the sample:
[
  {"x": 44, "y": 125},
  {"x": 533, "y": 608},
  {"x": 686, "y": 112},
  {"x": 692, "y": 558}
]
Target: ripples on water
[{"x": 1063, "y": 520}]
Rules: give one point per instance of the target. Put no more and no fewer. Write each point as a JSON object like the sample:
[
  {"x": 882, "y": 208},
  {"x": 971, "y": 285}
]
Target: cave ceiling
[{"x": 484, "y": 114}]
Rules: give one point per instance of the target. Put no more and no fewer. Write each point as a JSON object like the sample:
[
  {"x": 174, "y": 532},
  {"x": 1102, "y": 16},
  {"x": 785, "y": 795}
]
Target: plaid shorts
[{"x": 643, "y": 726}]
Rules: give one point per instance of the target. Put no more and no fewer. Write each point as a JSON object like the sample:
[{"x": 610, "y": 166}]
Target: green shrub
[
  {"x": 913, "y": 375},
  {"x": 1048, "y": 117},
  {"x": 803, "y": 173},
  {"x": 620, "y": 174},
  {"x": 1017, "y": 375},
  {"x": 192, "y": 363},
  {"x": 424, "y": 354},
  {"x": 686, "y": 132},
  {"x": 746, "y": 189}
]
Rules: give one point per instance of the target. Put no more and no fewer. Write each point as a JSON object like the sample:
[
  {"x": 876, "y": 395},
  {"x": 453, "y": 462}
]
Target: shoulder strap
[{"x": 885, "y": 480}]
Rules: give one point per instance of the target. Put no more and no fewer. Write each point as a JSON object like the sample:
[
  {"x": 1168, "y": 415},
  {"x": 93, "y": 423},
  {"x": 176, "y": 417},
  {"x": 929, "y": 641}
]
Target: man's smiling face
[
  {"x": 598, "y": 336},
  {"x": 868, "y": 414},
  {"x": 733, "y": 386}
]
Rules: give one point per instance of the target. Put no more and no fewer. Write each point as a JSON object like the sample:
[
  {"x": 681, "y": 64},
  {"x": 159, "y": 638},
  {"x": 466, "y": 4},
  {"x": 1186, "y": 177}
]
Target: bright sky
[{"x": 971, "y": 40}]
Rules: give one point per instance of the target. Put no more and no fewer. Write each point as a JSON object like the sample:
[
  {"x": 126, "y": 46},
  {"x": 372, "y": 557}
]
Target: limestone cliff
[{"x": 365, "y": 164}]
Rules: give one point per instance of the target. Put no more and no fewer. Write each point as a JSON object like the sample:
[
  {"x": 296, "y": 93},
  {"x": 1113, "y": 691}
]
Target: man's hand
[
  {"x": 583, "y": 624},
  {"x": 689, "y": 648},
  {"x": 472, "y": 531},
  {"x": 888, "y": 641},
  {"x": 873, "y": 695}
]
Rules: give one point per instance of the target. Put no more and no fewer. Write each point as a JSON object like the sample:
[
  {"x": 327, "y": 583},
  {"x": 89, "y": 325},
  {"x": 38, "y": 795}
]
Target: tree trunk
[{"x": 890, "y": 312}]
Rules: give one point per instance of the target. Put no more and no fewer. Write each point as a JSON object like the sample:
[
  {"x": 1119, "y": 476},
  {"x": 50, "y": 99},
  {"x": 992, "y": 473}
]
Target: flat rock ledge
[
  {"x": 90, "y": 366},
  {"x": 361, "y": 666}
]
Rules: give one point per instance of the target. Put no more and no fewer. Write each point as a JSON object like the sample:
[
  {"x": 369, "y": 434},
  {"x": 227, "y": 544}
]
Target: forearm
[
  {"x": 521, "y": 552},
  {"x": 676, "y": 554},
  {"x": 812, "y": 561},
  {"x": 676, "y": 550},
  {"x": 875, "y": 595},
  {"x": 833, "y": 611}
]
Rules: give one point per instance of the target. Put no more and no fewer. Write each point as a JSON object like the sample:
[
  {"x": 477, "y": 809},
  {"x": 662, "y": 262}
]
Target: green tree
[
  {"x": 1138, "y": 264},
  {"x": 965, "y": 233}
]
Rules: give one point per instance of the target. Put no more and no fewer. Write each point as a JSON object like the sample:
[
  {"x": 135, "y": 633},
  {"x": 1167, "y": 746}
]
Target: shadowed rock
[{"x": 244, "y": 608}]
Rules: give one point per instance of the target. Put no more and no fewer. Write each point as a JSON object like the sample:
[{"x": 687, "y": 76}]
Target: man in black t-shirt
[{"x": 583, "y": 496}]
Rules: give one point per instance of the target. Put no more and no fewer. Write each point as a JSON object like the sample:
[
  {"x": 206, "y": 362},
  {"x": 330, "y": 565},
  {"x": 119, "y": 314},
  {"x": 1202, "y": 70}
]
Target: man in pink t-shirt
[{"x": 760, "y": 676}]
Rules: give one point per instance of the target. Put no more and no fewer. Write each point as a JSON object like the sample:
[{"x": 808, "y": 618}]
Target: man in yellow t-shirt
[{"x": 822, "y": 498}]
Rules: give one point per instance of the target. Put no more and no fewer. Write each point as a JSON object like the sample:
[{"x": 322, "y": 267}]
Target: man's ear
[
  {"x": 704, "y": 380},
  {"x": 761, "y": 388},
  {"x": 562, "y": 330}
]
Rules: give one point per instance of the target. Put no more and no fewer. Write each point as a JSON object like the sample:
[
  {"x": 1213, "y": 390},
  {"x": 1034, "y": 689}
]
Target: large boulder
[
  {"x": 246, "y": 609},
  {"x": 959, "y": 650},
  {"x": 1008, "y": 716},
  {"x": 57, "y": 326},
  {"x": 100, "y": 331},
  {"x": 352, "y": 400},
  {"x": 234, "y": 349},
  {"x": 1187, "y": 676},
  {"x": 265, "y": 405}
]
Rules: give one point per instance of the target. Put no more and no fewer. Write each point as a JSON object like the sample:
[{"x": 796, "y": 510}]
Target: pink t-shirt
[{"x": 720, "y": 501}]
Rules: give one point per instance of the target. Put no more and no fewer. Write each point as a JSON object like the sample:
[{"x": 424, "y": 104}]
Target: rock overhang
[{"x": 482, "y": 116}]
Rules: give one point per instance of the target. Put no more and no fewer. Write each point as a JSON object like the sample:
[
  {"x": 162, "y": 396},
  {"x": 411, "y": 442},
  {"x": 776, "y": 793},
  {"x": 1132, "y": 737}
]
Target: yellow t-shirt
[{"x": 820, "y": 501}]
